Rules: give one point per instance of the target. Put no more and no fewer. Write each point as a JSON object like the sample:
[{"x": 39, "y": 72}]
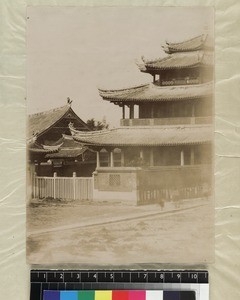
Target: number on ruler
[
  {"x": 95, "y": 275},
  {"x": 111, "y": 276},
  {"x": 178, "y": 276},
  {"x": 194, "y": 276},
  {"x": 61, "y": 275}
]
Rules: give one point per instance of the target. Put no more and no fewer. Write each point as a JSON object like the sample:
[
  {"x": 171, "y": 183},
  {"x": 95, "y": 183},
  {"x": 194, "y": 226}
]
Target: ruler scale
[{"x": 45, "y": 282}]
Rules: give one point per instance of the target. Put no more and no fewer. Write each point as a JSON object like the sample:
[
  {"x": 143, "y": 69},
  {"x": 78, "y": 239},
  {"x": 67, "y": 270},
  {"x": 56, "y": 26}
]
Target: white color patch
[{"x": 154, "y": 295}]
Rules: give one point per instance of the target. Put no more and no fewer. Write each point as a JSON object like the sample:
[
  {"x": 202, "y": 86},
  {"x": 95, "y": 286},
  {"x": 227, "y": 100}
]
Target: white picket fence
[{"x": 74, "y": 188}]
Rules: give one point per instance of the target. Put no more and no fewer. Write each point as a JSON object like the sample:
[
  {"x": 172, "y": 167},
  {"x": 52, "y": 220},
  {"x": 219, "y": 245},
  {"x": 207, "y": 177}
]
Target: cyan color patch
[{"x": 68, "y": 295}]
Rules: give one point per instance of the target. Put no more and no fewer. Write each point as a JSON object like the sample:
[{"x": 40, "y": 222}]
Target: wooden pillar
[
  {"x": 193, "y": 109},
  {"x": 151, "y": 158},
  {"x": 137, "y": 111},
  {"x": 200, "y": 75},
  {"x": 172, "y": 110},
  {"x": 192, "y": 156},
  {"x": 111, "y": 159},
  {"x": 154, "y": 78},
  {"x": 54, "y": 185},
  {"x": 122, "y": 158},
  {"x": 123, "y": 111},
  {"x": 74, "y": 185},
  {"x": 152, "y": 110},
  {"x": 182, "y": 158},
  {"x": 131, "y": 111},
  {"x": 38, "y": 168},
  {"x": 98, "y": 159}
]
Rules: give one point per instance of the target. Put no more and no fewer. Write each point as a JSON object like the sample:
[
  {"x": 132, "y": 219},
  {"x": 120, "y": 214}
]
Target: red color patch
[{"x": 120, "y": 295}]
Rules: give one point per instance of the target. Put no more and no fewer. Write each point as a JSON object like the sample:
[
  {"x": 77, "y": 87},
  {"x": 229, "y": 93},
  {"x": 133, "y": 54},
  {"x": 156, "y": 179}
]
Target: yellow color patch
[{"x": 103, "y": 295}]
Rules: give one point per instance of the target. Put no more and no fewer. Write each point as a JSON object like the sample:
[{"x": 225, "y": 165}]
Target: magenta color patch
[{"x": 137, "y": 295}]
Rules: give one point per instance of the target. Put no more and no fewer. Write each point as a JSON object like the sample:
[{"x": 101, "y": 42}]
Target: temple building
[
  {"x": 51, "y": 148},
  {"x": 163, "y": 147}
]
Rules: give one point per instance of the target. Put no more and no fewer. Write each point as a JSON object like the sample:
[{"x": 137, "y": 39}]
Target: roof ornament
[
  {"x": 69, "y": 101},
  {"x": 72, "y": 128}
]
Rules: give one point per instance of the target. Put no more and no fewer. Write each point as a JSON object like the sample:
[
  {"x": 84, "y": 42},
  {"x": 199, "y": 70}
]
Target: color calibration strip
[{"x": 119, "y": 295}]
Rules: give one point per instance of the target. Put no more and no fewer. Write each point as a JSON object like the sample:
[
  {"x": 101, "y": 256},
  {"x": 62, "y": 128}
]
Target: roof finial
[{"x": 69, "y": 101}]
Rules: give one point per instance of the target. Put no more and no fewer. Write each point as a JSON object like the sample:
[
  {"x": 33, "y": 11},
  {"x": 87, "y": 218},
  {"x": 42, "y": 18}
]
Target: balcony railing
[
  {"x": 182, "y": 81},
  {"x": 166, "y": 121}
]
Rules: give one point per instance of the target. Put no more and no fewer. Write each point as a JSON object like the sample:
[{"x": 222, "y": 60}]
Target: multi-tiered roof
[
  {"x": 190, "y": 53},
  {"x": 193, "y": 55}
]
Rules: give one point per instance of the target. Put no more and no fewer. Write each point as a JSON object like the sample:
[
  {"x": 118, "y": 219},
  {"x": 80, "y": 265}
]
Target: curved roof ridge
[
  {"x": 39, "y": 123},
  {"x": 188, "y": 40},
  {"x": 192, "y": 44},
  {"x": 171, "y": 55},
  {"x": 150, "y": 136},
  {"x": 88, "y": 133},
  {"x": 52, "y": 147},
  {"x": 124, "y": 89},
  {"x": 64, "y": 107},
  {"x": 153, "y": 92},
  {"x": 152, "y": 61},
  {"x": 175, "y": 60}
]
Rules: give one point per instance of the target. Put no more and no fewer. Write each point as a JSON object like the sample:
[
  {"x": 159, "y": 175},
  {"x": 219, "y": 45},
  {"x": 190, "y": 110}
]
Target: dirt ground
[{"x": 105, "y": 233}]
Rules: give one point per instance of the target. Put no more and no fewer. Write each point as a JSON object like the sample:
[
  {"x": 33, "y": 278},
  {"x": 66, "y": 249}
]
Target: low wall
[
  {"x": 116, "y": 184},
  {"x": 124, "y": 197},
  {"x": 142, "y": 186}
]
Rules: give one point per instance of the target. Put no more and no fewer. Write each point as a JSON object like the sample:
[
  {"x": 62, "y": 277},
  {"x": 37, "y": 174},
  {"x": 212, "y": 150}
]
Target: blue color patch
[
  {"x": 68, "y": 295},
  {"x": 51, "y": 295}
]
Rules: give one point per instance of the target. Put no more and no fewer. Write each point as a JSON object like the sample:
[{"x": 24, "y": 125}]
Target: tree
[{"x": 96, "y": 125}]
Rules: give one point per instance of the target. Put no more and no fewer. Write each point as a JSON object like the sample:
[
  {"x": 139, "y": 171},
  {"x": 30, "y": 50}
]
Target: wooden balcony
[
  {"x": 182, "y": 81},
  {"x": 166, "y": 121}
]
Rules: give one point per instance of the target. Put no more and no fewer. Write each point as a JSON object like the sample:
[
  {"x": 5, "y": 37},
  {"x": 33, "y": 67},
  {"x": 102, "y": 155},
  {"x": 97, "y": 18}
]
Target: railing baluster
[{"x": 76, "y": 188}]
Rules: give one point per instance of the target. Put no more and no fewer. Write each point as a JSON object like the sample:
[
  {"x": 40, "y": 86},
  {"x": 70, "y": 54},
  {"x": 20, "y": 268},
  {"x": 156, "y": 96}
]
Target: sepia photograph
[{"x": 120, "y": 126}]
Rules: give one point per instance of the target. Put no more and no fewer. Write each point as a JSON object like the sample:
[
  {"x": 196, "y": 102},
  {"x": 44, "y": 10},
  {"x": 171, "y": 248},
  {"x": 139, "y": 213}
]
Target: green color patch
[{"x": 86, "y": 295}]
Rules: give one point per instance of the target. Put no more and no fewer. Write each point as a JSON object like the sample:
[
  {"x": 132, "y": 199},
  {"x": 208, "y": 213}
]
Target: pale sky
[{"x": 71, "y": 51}]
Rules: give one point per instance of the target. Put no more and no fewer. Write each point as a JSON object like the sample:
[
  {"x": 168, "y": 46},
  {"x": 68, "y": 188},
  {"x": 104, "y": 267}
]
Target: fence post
[
  {"x": 34, "y": 185},
  {"x": 74, "y": 185},
  {"x": 54, "y": 185}
]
